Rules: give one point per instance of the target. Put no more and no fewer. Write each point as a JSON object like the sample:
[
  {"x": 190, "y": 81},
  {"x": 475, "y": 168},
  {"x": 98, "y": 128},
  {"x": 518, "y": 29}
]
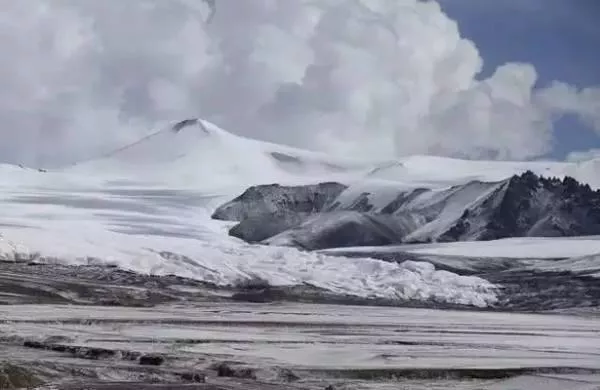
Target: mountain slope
[
  {"x": 522, "y": 206},
  {"x": 146, "y": 208},
  {"x": 196, "y": 154},
  {"x": 533, "y": 206}
]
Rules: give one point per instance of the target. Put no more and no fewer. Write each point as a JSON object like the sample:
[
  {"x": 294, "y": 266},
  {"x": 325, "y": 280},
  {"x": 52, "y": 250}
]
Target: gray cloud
[{"x": 371, "y": 77}]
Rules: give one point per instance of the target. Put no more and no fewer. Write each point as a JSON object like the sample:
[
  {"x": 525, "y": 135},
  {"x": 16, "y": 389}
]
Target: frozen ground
[
  {"x": 310, "y": 346},
  {"x": 146, "y": 208}
]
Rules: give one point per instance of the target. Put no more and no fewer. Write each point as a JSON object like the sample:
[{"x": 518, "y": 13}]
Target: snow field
[{"x": 147, "y": 207}]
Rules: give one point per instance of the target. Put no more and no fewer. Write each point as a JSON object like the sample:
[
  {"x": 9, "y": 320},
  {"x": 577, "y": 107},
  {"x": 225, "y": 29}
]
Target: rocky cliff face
[
  {"x": 267, "y": 210},
  {"x": 532, "y": 206},
  {"x": 331, "y": 215},
  {"x": 266, "y": 200},
  {"x": 338, "y": 229}
]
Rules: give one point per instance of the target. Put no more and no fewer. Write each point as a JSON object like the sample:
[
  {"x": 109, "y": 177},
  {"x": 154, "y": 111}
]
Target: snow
[
  {"x": 207, "y": 158},
  {"x": 454, "y": 203},
  {"x": 589, "y": 265},
  {"x": 531, "y": 247},
  {"x": 430, "y": 171},
  {"x": 324, "y": 343},
  {"x": 213, "y": 257},
  {"x": 147, "y": 208},
  {"x": 324, "y": 337},
  {"x": 507, "y": 248}
]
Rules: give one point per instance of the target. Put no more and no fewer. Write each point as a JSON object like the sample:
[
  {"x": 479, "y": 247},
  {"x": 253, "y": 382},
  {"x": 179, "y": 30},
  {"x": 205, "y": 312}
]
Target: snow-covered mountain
[
  {"x": 197, "y": 155},
  {"x": 200, "y": 155},
  {"x": 147, "y": 207}
]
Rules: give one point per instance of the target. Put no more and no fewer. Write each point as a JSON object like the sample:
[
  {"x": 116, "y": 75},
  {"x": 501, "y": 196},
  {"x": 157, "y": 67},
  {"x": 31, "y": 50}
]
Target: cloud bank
[
  {"x": 580, "y": 156},
  {"x": 377, "y": 78}
]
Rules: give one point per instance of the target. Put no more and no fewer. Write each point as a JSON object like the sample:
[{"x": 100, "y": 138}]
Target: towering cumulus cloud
[{"x": 367, "y": 77}]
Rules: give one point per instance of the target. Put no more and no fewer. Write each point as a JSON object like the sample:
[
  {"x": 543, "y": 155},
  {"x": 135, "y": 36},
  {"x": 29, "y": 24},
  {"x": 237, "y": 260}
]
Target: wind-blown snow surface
[{"x": 147, "y": 208}]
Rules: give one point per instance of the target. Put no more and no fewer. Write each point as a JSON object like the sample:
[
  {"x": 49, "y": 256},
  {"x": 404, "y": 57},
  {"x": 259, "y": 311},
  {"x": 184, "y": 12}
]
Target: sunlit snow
[{"x": 147, "y": 208}]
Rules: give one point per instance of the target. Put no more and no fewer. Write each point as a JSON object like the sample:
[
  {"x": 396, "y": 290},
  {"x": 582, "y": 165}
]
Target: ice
[
  {"x": 530, "y": 247},
  {"x": 578, "y": 250},
  {"x": 147, "y": 207},
  {"x": 223, "y": 261},
  {"x": 589, "y": 265}
]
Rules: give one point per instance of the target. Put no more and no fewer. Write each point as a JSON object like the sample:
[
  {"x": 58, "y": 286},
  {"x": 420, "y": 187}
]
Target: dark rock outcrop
[
  {"x": 151, "y": 360},
  {"x": 230, "y": 371},
  {"x": 532, "y": 206},
  {"x": 317, "y": 217},
  {"x": 261, "y": 227},
  {"x": 265, "y": 211},
  {"x": 340, "y": 229},
  {"x": 266, "y": 200},
  {"x": 81, "y": 352}
]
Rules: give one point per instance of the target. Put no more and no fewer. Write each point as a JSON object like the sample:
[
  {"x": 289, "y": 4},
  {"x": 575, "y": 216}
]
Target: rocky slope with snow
[{"x": 332, "y": 215}]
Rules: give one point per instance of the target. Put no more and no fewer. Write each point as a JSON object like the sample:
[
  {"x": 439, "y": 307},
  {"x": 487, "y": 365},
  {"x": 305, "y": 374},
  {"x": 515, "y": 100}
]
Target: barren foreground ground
[{"x": 220, "y": 344}]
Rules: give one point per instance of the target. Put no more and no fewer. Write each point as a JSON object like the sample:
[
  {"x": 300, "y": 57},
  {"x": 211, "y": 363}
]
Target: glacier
[{"x": 147, "y": 208}]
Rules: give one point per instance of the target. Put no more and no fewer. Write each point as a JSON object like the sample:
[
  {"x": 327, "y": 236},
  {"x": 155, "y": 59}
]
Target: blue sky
[{"x": 560, "y": 37}]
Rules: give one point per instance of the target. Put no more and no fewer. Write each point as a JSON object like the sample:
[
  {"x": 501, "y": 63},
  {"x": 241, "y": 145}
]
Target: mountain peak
[
  {"x": 532, "y": 205},
  {"x": 177, "y": 127}
]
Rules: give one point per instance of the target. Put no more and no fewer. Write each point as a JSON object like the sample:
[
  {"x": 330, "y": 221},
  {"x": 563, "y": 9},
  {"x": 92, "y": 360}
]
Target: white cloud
[
  {"x": 562, "y": 98},
  {"x": 583, "y": 155},
  {"x": 379, "y": 77}
]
